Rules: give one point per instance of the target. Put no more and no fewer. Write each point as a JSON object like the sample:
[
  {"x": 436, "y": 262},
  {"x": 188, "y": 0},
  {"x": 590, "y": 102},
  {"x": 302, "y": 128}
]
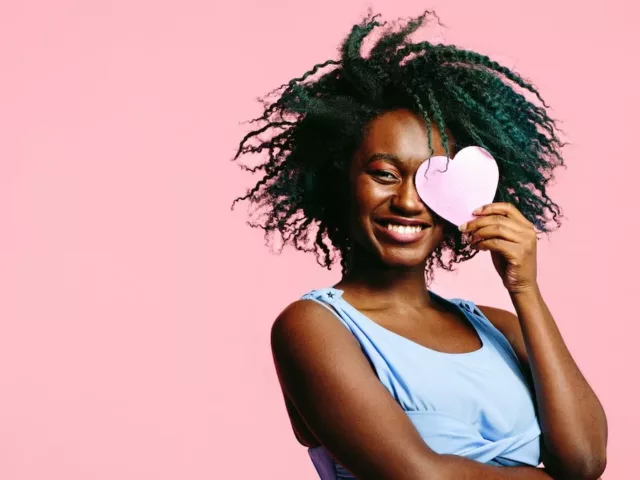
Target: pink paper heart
[{"x": 469, "y": 182}]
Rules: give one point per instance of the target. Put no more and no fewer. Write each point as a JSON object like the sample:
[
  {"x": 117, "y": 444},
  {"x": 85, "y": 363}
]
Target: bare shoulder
[
  {"x": 300, "y": 336},
  {"x": 503, "y": 320},
  {"x": 303, "y": 324},
  {"x": 309, "y": 343}
]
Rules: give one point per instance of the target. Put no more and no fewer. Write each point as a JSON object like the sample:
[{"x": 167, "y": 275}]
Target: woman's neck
[{"x": 370, "y": 279}]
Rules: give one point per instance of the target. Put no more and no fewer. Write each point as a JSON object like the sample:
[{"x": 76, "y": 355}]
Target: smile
[
  {"x": 399, "y": 233},
  {"x": 405, "y": 229}
]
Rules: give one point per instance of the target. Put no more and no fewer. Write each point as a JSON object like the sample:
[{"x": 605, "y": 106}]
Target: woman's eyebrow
[{"x": 383, "y": 156}]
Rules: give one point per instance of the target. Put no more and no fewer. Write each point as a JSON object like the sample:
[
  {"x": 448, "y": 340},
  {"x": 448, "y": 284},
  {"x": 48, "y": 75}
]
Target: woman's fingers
[
  {"x": 495, "y": 230},
  {"x": 505, "y": 209},
  {"x": 492, "y": 220}
]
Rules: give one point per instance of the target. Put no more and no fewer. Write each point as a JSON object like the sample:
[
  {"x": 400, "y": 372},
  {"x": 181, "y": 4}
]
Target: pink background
[{"x": 135, "y": 307}]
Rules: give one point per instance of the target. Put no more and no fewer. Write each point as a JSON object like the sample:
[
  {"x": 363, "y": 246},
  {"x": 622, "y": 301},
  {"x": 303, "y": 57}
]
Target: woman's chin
[
  {"x": 404, "y": 259},
  {"x": 396, "y": 254}
]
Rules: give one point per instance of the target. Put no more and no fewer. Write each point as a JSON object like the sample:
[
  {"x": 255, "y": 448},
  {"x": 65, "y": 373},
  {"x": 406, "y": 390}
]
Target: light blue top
[{"x": 477, "y": 405}]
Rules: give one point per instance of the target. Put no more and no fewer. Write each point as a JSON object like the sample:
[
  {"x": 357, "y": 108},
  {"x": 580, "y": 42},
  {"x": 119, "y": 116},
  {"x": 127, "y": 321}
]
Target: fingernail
[
  {"x": 477, "y": 210},
  {"x": 463, "y": 227}
]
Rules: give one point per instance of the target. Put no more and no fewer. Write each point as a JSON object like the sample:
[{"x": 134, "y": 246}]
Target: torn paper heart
[{"x": 468, "y": 182}]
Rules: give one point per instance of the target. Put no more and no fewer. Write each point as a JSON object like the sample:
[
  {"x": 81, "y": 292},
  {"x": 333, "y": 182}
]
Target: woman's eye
[{"x": 384, "y": 174}]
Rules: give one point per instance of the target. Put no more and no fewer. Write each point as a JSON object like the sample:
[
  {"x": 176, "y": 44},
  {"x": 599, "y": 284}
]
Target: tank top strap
[
  {"x": 498, "y": 339},
  {"x": 329, "y": 298}
]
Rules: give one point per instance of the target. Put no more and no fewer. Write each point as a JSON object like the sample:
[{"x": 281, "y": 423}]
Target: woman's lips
[{"x": 400, "y": 233}]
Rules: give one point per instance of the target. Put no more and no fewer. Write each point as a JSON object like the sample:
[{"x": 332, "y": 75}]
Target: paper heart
[{"x": 469, "y": 182}]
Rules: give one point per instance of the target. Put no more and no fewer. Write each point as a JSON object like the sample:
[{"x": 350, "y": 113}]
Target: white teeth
[{"x": 404, "y": 229}]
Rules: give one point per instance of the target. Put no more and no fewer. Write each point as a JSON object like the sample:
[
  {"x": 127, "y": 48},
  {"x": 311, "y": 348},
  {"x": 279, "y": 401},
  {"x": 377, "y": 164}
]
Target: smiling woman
[
  {"x": 383, "y": 378},
  {"x": 391, "y": 220}
]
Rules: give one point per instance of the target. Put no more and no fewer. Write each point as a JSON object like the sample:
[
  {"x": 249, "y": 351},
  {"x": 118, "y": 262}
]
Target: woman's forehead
[{"x": 403, "y": 134}]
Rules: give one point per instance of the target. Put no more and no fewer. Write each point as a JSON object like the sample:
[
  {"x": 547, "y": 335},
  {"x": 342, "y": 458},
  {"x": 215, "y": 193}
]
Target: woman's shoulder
[
  {"x": 503, "y": 320},
  {"x": 309, "y": 306},
  {"x": 310, "y": 347},
  {"x": 301, "y": 311},
  {"x": 307, "y": 320},
  {"x": 506, "y": 322}
]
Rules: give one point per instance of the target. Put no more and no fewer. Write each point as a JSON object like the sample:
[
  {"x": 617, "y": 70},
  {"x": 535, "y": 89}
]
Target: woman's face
[{"x": 388, "y": 218}]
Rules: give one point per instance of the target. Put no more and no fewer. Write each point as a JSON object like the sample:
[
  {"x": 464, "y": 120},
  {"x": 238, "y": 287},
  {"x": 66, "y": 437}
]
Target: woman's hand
[{"x": 512, "y": 241}]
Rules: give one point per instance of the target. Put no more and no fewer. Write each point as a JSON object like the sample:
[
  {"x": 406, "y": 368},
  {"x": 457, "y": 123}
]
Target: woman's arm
[
  {"x": 573, "y": 422},
  {"x": 324, "y": 372}
]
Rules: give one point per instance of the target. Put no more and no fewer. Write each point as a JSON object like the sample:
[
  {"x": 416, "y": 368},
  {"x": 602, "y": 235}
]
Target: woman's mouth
[{"x": 400, "y": 233}]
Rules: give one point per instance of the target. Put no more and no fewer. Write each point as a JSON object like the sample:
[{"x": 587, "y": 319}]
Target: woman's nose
[{"x": 406, "y": 200}]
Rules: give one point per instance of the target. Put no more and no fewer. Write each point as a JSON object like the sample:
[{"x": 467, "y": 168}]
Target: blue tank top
[{"x": 477, "y": 405}]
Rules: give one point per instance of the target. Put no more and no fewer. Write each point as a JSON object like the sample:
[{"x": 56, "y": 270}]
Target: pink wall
[{"x": 135, "y": 307}]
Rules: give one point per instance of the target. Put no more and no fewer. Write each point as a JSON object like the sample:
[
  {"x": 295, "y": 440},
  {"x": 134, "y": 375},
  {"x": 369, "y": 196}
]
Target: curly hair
[{"x": 318, "y": 120}]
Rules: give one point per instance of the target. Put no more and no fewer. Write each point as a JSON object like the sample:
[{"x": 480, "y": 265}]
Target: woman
[{"x": 383, "y": 378}]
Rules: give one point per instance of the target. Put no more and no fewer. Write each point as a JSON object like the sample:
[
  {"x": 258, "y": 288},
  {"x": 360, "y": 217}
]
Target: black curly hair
[{"x": 318, "y": 120}]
